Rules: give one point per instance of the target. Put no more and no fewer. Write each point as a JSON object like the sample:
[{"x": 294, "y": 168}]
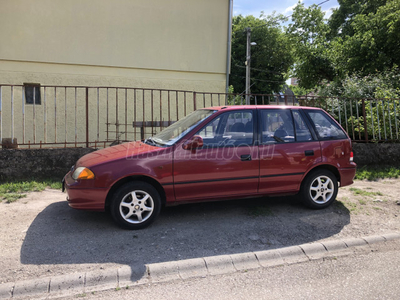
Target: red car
[{"x": 217, "y": 153}]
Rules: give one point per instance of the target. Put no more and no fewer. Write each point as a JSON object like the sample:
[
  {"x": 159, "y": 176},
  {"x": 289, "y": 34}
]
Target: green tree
[
  {"x": 271, "y": 58},
  {"x": 340, "y": 22},
  {"x": 299, "y": 91},
  {"x": 365, "y": 36},
  {"x": 308, "y": 32}
]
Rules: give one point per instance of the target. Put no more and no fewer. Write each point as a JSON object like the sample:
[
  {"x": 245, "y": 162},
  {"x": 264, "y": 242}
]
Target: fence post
[
  {"x": 365, "y": 121},
  {"x": 87, "y": 117}
]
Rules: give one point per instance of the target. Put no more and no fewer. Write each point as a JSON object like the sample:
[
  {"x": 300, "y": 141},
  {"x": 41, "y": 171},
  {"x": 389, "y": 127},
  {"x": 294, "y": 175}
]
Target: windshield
[{"x": 173, "y": 133}]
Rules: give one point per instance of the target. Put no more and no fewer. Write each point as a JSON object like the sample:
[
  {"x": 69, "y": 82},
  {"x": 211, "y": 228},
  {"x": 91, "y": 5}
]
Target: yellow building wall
[{"x": 160, "y": 44}]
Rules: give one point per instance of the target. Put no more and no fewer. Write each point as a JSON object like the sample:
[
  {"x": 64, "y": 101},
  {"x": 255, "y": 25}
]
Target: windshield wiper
[
  {"x": 150, "y": 141},
  {"x": 154, "y": 141}
]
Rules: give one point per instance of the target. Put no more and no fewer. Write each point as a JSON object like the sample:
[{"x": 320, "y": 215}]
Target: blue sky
[{"x": 254, "y": 7}]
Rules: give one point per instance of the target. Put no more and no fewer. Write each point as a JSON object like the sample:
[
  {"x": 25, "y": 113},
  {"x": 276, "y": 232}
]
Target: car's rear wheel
[
  {"x": 135, "y": 205},
  {"x": 319, "y": 189}
]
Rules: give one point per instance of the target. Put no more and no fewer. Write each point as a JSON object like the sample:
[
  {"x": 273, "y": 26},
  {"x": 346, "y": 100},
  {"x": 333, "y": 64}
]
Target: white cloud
[{"x": 290, "y": 8}]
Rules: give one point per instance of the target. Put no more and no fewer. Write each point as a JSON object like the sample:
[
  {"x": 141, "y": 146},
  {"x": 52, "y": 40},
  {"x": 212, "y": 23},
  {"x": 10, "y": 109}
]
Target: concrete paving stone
[
  {"x": 163, "y": 271},
  {"x": 124, "y": 275},
  {"x": 132, "y": 275},
  {"x": 6, "y": 290},
  {"x": 353, "y": 242},
  {"x": 217, "y": 265},
  {"x": 374, "y": 239},
  {"x": 269, "y": 258},
  {"x": 107, "y": 279},
  {"x": 292, "y": 255},
  {"x": 67, "y": 284},
  {"x": 335, "y": 245},
  {"x": 245, "y": 261},
  {"x": 31, "y": 287},
  {"x": 391, "y": 236},
  {"x": 314, "y": 250},
  {"x": 190, "y": 268}
]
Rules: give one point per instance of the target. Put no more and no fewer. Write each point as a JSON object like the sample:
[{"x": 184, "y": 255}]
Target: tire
[
  {"x": 319, "y": 189},
  {"x": 135, "y": 205}
]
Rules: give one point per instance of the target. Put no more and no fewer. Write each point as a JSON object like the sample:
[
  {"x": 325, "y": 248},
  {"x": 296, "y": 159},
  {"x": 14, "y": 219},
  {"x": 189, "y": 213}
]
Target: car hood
[{"x": 122, "y": 151}]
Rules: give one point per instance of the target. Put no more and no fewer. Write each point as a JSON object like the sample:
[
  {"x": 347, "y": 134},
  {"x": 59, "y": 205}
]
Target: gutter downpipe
[{"x": 228, "y": 52}]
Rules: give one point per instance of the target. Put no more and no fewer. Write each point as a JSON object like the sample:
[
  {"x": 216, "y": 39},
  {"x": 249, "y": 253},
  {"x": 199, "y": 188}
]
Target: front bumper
[{"x": 81, "y": 195}]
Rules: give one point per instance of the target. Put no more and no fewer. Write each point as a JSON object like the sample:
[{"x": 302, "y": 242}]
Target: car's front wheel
[
  {"x": 135, "y": 205},
  {"x": 319, "y": 189}
]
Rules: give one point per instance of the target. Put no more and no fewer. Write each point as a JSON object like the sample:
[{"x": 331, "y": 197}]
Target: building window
[{"x": 32, "y": 89}]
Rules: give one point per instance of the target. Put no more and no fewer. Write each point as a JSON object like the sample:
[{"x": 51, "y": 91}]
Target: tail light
[{"x": 351, "y": 156}]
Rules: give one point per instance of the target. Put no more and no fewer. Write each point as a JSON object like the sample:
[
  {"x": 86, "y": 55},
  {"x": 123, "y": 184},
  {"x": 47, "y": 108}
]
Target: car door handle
[
  {"x": 309, "y": 152},
  {"x": 245, "y": 157}
]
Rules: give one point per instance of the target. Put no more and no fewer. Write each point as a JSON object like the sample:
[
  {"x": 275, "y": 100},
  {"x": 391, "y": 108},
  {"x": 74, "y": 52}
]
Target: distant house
[
  {"x": 294, "y": 81},
  {"x": 169, "y": 44},
  {"x": 286, "y": 96}
]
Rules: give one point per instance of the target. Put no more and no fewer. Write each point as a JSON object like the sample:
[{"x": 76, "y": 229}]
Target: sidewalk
[{"x": 81, "y": 283}]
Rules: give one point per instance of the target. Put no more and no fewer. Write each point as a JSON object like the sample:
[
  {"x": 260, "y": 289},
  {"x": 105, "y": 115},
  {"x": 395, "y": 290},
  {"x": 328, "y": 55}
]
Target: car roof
[{"x": 239, "y": 107}]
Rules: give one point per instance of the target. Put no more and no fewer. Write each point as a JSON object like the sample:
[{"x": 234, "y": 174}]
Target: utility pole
[{"x": 247, "y": 63}]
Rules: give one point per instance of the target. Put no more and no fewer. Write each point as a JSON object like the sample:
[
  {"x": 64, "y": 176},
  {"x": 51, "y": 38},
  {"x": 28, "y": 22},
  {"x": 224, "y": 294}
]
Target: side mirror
[{"x": 194, "y": 143}]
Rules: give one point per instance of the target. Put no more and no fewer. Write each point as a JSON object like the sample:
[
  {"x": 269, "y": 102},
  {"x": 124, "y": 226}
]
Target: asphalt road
[{"x": 372, "y": 273}]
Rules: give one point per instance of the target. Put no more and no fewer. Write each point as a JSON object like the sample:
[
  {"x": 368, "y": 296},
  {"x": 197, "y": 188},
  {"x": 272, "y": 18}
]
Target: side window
[
  {"x": 325, "y": 126},
  {"x": 210, "y": 130},
  {"x": 302, "y": 131},
  {"x": 229, "y": 129},
  {"x": 277, "y": 126}
]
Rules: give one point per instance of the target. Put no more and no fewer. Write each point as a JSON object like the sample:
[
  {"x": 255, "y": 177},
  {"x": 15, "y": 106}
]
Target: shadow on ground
[{"x": 61, "y": 235}]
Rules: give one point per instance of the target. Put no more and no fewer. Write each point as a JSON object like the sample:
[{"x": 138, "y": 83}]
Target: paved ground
[
  {"x": 41, "y": 237},
  {"x": 363, "y": 276}
]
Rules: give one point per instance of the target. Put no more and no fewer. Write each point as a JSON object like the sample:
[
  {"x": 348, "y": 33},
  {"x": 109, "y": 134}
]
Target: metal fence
[
  {"x": 365, "y": 120},
  {"x": 79, "y": 116}
]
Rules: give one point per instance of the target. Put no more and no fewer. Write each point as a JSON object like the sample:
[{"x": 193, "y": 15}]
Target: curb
[{"x": 81, "y": 283}]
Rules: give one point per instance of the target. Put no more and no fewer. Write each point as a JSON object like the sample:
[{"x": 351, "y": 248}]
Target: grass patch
[
  {"x": 375, "y": 173},
  {"x": 361, "y": 192},
  {"x": 362, "y": 202},
  {"x": 12, "y": 197},
  {"x": 347, "y": 205},
  {"x": 12, "y": 191}
]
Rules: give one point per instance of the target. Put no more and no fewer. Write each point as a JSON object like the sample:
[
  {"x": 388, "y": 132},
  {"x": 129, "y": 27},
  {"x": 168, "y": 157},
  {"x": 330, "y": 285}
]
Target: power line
[
  {"x": 266, "y": 71},
  {"x": 261, "y": 80}
]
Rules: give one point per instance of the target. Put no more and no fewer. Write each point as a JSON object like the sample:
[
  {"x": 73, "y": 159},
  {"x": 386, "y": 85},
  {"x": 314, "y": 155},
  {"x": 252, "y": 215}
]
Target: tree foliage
[
  {"x": 362, "y": 37},
  {"x": 308, "y": 32},
  {"x": 342, "y": 18},
  {"x": 271, "y": 58},
  {"x": 373, "y": 42}
]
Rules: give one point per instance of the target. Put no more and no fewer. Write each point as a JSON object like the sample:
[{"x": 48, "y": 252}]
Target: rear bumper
[
  {"x": 347, "y": 175},
  {"x": 79, "y": 196}
]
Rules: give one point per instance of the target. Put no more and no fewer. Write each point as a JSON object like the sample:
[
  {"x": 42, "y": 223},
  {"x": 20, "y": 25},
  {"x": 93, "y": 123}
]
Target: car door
[
  {"x": 287, "y": 149},
  {"x": 227, "y": 164}
]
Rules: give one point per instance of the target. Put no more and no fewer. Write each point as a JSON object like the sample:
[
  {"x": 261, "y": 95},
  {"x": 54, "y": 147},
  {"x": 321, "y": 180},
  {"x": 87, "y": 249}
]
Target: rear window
[{"x": 326, "y": 128}]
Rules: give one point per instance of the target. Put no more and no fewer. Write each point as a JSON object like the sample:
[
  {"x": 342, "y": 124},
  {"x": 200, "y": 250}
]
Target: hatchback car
[{"x": 217, "y": 153}]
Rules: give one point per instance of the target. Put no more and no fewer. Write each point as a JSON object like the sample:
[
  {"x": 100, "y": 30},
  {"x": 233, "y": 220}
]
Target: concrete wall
[
  {"x": 38, "y": 163},
  {"x": 376, "y": 154},
  {"x": 44, "y": 163}
]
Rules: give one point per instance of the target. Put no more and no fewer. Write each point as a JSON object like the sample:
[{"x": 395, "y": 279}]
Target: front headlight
[{"x": 82, "y": 173}]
